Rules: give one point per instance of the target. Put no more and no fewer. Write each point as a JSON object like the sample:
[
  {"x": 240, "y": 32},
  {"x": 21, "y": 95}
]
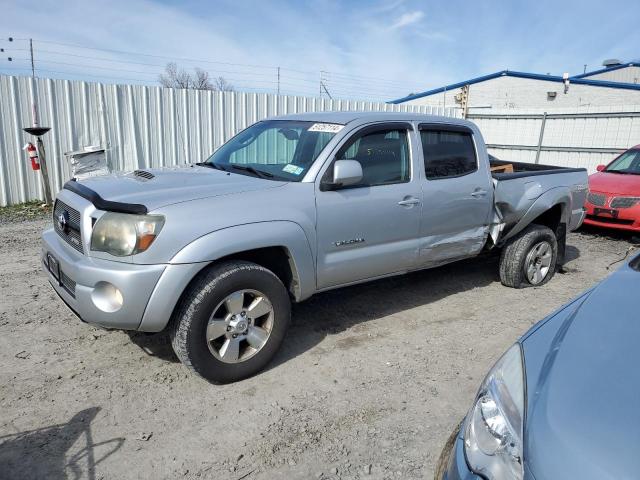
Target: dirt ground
[{"x": 370, "y": 382}]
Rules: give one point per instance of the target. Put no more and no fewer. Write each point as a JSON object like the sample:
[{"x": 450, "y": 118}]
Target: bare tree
[
  {"x": 201, "y": 80},
  {"x": 173, "y": 77},
  {"x": 222, "y": 85}
]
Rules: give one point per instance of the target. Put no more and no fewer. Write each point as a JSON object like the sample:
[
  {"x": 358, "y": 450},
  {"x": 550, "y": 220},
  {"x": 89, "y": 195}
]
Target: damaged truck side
[{"x": 215, "y": 252}]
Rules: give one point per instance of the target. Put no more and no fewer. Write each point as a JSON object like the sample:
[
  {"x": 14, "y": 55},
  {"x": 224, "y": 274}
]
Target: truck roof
[{"x": 343, "y": 118}]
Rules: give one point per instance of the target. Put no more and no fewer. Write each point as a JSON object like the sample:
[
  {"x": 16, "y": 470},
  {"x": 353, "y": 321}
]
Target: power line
[
  {"x": 346, "y": 84},
  {"x": 376, "y": 80}
]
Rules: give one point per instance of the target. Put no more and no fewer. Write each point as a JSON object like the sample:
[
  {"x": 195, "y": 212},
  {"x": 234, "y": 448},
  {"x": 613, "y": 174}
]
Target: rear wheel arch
[{"x": 552, "y": 209}]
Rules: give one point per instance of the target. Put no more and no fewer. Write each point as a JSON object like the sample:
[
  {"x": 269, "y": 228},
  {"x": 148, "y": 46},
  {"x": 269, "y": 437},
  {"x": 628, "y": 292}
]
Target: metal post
[
  {"x": 544, "y": 121},
  {"x": 278, "y": 80},
  {"x": 45, "y": 173},
  {"x": 33, "y": 67},
  {"x": 34, "y": 104}
]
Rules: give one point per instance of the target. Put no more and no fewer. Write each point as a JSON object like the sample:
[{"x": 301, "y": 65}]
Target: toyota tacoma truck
[{"x": 215, "y": 252}]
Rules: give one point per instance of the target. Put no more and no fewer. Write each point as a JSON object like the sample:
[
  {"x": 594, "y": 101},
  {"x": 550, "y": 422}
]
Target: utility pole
[
  {"x": 324, "y": 87},
  {"x": 278, "y": 80}
]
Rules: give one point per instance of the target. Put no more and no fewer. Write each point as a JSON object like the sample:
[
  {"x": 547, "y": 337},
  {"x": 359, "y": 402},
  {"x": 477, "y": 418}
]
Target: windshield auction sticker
[
  {"x": 326, "y": 127},
  {"x": 293, "y": 169}
]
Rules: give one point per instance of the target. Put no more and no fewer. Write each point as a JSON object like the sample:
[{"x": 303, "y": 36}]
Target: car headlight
[
  {"x": 493, "y": 431},
  {"x": 122, "y": 234}
]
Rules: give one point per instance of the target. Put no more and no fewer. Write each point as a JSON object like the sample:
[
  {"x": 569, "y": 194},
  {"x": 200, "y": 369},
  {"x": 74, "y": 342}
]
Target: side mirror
[
  {"x": 601, "y": 167},
  {"x": 346, "y": 172}
]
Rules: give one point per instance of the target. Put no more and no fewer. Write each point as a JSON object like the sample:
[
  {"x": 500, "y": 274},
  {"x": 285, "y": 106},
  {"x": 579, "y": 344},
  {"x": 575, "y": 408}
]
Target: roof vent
[
  {"x": 143, "y": 174},
  {"x": 612, "y": 62}
]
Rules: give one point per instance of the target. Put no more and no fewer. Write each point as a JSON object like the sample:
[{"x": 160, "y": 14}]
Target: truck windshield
[
  {"x": 274, "y": 149},
  {"x": 628, "y": 162}
]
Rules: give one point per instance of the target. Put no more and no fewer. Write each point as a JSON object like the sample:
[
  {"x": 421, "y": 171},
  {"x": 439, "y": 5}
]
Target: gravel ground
[{"x": 369, "y": 384}]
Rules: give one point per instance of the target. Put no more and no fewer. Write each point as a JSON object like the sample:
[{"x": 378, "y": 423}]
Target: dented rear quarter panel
[{"x": 519, "y": 201}]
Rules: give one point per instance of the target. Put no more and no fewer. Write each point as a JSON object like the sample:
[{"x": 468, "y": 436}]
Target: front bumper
[
  {"x": 81, "y": 277},
  {"x": 457, "y": 468},
  {"x": 627, "y": 219}
]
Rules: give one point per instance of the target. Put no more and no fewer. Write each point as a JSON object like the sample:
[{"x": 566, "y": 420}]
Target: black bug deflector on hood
[{"x": 102, "y": 204}]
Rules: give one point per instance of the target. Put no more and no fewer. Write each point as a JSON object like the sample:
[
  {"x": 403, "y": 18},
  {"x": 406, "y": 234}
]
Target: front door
[{"x": 370, "y": 229}]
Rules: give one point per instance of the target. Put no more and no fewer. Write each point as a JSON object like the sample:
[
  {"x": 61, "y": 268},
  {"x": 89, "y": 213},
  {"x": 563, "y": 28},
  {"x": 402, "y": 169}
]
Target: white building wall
[
  {"x": 571, "y": 141},
  {"x": 514, "y": 92},
  {"x": 626, "y": 75}
]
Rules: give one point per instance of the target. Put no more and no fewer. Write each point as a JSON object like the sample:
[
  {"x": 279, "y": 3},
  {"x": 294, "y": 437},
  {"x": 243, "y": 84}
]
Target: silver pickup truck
[{"x": 215, "y": 252}]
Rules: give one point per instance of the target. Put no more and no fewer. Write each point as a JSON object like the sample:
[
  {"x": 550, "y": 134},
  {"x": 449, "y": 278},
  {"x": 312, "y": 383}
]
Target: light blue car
[{"x": 564, "y": 401}]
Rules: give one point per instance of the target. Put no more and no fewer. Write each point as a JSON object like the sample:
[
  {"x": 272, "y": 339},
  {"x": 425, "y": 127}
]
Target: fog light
[{"x": 107, "y": 297}]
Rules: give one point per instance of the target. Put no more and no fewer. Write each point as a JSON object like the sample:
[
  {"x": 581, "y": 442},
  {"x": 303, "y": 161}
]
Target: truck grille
[
  {"x": 616, "y": 221},
  {"x": 597, "y": 199},
  {"x": 624, "y": 202},
  {"x": 66, "y": 222}
]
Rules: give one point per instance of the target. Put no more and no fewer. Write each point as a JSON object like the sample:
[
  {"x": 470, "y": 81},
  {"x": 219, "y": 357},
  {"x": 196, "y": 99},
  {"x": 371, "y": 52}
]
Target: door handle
[
  {"x": 479, "y": 193},
  {"x": 409, "y": 202}
]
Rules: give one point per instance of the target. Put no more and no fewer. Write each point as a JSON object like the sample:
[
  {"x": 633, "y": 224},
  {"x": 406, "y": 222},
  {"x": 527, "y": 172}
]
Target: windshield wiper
[
  {"x": 211, "y": 165},
  {"x": 257, "y": 173}
]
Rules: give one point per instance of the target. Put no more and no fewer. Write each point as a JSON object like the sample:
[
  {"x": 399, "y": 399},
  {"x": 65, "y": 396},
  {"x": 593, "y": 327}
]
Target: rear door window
[{"x": 448, "y": 153}]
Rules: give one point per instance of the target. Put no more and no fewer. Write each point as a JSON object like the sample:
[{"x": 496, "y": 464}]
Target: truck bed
[
  {"x": 517, "y": 191},
  {"x": 521, "y": 169}
]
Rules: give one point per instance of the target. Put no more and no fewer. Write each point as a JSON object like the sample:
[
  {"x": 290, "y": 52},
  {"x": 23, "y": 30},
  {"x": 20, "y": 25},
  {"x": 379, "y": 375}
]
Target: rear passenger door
[
  {"x": 370, "y": 229},
  {"x": 457, "y": 195}
]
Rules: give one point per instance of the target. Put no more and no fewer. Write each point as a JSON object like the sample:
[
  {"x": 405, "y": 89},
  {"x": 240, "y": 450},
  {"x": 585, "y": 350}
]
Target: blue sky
[{"x": 379, "y": 49}]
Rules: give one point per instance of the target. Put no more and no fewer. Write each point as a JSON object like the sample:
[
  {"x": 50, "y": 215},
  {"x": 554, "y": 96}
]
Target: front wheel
[
  {"x": 231, "y": 321},
  {"x": 529, "y": 259}
]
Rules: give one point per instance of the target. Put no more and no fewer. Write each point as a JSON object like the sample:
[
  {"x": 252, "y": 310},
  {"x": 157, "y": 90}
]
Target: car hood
[
  {"x": 166, "y": 186},
  {"x": 615, "y": 183},
  {"x": 584, "y": 396}
]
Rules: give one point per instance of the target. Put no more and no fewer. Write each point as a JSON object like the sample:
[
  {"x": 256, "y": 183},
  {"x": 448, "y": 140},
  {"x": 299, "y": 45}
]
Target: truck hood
[
  {"x": 584, "y": 411},
  {"x": 619, "y": 183},
  {"x": 166, "y": 186}
]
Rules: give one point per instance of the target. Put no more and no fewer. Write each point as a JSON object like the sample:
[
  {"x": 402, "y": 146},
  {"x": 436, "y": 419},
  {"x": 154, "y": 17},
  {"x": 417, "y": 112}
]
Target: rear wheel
[
  {"x": 529, "y": 259},
  {"x": 231, "y": 321}
]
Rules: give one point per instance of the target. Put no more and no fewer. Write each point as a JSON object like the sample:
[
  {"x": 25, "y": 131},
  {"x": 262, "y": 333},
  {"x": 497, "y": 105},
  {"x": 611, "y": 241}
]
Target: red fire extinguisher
[{"x": 33, "y": 156}]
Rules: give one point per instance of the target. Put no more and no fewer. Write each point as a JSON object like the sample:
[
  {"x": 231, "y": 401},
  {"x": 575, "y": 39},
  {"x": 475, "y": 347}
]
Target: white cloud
[
  {"x": 408, "y": 19},
  {"x": 364, "y": 58}
]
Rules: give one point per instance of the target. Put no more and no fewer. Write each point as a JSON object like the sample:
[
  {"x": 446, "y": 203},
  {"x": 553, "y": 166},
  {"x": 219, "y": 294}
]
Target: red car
[{"x": 614, "y": 193}]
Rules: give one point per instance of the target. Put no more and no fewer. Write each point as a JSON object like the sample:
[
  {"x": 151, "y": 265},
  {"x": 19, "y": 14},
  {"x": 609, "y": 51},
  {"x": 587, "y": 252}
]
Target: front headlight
[
  {"x": 122, "y": 234},
  {"x": 493, "y": 430}
]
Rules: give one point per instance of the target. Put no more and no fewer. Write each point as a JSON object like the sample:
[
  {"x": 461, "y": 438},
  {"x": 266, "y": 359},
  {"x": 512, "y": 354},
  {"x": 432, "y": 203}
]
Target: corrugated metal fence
[
  {"x": 584, "y": 137},
  {"x": 139, "y": 126}
]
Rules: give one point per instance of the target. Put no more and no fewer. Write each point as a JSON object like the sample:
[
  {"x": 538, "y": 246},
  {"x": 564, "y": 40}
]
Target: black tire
[
  {"x": 445, "y": 454},
  {"x": 189, "y": 323},
  {"x": 514, "y": 256}
]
